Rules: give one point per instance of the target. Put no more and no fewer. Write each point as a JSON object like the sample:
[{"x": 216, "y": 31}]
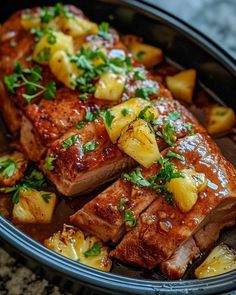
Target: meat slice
[
  {"x": 73, "y": 179},
  {"x": 163, "y": 228},
  {"x": 81, "y": 169}
]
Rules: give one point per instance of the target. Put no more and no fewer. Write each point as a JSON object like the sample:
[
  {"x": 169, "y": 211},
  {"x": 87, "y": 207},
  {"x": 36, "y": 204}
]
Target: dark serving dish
[{"x": 185, "y": 47}]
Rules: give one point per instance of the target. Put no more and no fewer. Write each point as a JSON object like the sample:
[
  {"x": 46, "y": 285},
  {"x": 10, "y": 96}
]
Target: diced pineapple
[
  {"x": 72, "y": 244},
  {"x": 12, "y": 168},
  {"x": 220, "y": 119},
  {"x": 49, "y": 44},
  {"x": 148, "y": 55},
  {"x": 29, "y": 21},
  {"x": 34, "y": 207},
  {"x": 185, "y": 189},
  {"x": 78, "y": 26},
  {"x": 64, "y": 70},
  {"x": 133, "y": 107},
  {"x": 182, "y": 85},
  {"x": 222, "y": 259},
  {"x": 110, "y": 86},
  {"x": 139, "y": 142}
]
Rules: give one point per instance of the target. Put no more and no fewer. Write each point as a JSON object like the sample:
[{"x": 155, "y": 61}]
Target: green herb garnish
[
  {"x": 7, "y": 167},
  {"x": 94, "y": 250},
  {"x": 107, "y": 117},
  {"x": 46, "y": 197},
  {"x": 123, "y": 201},
  {"x": 168, "y": 134},
  {"x": 129, "y": 217},
  {"x": 173, "y": 116},
  {"x": 171, "y": 154},
  {"x": 136, "y": 177},
  {"x": 69, "y": 142},
  {"x": 125, "y": 112},
  {"x": 103, "y": 31},
  {"x": 140, "y": 55},
  {"x": 89, "y": 146},
  {"x": 80, "y": 124},
  {"x": 145, "y": 92},
  {"x": 139, "y": 74},
  {"x": 13, "y": 43},
  {"x": 48, "y": 165}
]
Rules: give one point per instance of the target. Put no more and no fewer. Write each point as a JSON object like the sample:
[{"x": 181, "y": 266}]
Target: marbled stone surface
[{"x": 215, "y": 18}]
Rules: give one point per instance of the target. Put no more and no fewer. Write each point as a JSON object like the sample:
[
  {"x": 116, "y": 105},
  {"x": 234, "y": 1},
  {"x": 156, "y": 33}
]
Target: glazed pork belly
[
  {"x": 77, "y": 172},
  {"x": 167, "y": 236}
]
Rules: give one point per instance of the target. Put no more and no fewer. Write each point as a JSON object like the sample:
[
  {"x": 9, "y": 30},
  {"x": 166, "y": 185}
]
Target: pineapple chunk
[
  {"x": 185, "y": 190},
  {"x": 49, "y": 44},
  {"x": 72, "y": 244},
  {"x": 12, "y": 167},
  {"x": 222, "y": 259},
  {"x": 29, "y": 21},
  {"x": 64, "y": 70},
  {"x": 148, "y": 55},
  {"x": 139, "y": 142},
  {"x": 78, "y": 26},
  {"x": 182, "y": 85},
  {"x": 220, "y": 119},
  {"x": 110, "y": 86},
  {"x": 34, "y": 207},
  {"x": 133, "y": 107}
]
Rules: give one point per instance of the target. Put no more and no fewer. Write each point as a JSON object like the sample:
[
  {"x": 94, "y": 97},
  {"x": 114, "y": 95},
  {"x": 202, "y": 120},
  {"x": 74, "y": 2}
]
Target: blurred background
[{"x": 216, "y": 19}]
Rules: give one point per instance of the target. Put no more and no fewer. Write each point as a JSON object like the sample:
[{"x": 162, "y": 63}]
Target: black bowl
[{"x": 182, "y": 45}]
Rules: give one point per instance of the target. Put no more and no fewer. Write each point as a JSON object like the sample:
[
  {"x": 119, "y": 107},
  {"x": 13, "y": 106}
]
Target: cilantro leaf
[
  {"x": 7, "y": 167},
  {"x": 125, "y": 112},
  {"x": 69, "y": 142},
  {"x": 107, "y": 117},
  {"x": 46, "y": 197},
  {"x": 139, "y": 74},
  {"x": 89, "y": 146},
  {"x": 171, "y": 154},
  {"x": 168, "y": 134},
  {"x": 50, "y": 90},
  {"x": 94, "y": 250},
  {"x": 173, "y": 116},
  {"x": 48, "y": 165},
  {"x": 140, "y": 55},
  {"x": 136, "y": 177},
  {"x": 145, "y": 92},
  {"x": 80, "y": 124},
  {"x": 103, "y": 31},
  {"x": 129, "y": 218},
  {"x": 123, "y": 201}
]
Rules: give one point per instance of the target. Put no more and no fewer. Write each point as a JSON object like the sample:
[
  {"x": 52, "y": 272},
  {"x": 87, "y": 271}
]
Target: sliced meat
[
  {"x": 81, "y": 169},
  {"x": 162, "y": 228}
]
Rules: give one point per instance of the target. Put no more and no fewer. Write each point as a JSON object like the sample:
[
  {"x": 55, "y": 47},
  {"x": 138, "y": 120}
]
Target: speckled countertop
[{"x": 215, "y": 18}]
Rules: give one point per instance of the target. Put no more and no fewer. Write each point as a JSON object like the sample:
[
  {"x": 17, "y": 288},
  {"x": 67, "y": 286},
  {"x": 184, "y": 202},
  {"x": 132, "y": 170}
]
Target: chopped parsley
[
  {"x": 44, "y": 55},
  {"x": 46, "y": 197},
  {"x": 168, "y": 134},
  {"x": 145, "y": 92},
  {"x": 171, "y": 154},
  {"x": 139, "y": 74},
  {"x": 107, "y": 117},
  {"x": 136, "y": 177},
  {"x": 89, "y": 116},
  {"x": 189, "y": 127},
  {"x": 173, "y": 116},
  {"x": 80, "y": 124},
  {"x": 29, "y": 78},
  {"x": 103, "y": 31},
  {"x": 48, "y": 165},
  {"x": 89, "y": 146},
  {"x": 94, "y": 250},
  {"x": 48, "y": 13},
  {"x": 83, "y": 96},
  {"x": 156, "y": 182},
  {"x": 140, "y": 55},
  {"x": 129, "y": 217},
  {"x": 7, "y": 167},
  {"x": 125, "y": 112},
  {"x": 123, "y": 201},
  {"x": 69, "y": 142},
  {"x": 35, "y": 180}
]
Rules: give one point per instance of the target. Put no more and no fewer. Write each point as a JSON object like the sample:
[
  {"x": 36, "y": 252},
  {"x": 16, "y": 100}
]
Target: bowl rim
[{"x": 114, "y": 282}]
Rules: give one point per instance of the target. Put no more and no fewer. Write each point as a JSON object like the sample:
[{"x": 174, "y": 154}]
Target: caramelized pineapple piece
[
  {"x": 185, "y": 189},
  {"x": 124, "y": 113},
  {"x": 78, "y": 26},
  {"x": 139, "y": 142},
  {"x": 12, "y": 168},
  {"x": 64, "y": 70},
  {"x": 148, "y": 55},
  {"x": 72, "y": 244},
  {"x": 110, "y": 86},
  {"x": 34, "y": 207},
  {"x": 222, "y": 259},
  {"x": 49, "y": 44},
  {"x": 220, "y": 119},
  {"x": 182, "y": 85},
  {"x": 30, "y": 21}
]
